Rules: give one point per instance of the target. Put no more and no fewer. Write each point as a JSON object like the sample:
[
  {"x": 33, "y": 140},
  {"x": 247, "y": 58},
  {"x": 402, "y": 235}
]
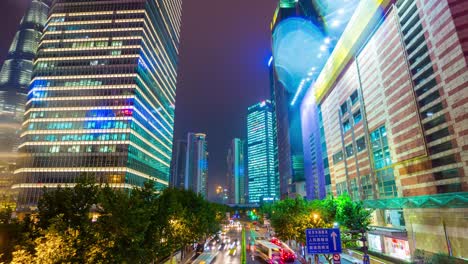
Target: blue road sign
[{"x": 323, "y": 241}]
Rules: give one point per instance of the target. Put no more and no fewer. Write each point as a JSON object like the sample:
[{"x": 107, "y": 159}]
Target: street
[
  {"x": 227, "y": 255},
  {"x": 228, "y": 250}
]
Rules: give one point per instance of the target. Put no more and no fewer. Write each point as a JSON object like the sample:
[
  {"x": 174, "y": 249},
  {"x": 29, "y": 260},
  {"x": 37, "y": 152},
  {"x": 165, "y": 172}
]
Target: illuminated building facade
[
  {"x": 196, "y": 166},
  {"x": 178, "y": 164},
  {"x": 292, "y": 69},
  {"x": 263, "y": 184},
  {"x": 386, "y": 123},
  {"x": 15, "y": 76},
  {"x": 236, "y": 172},
  {"x": 102, "y": 97}
]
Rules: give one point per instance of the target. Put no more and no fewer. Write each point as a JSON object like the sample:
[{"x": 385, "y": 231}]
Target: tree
[
  {"x": 352, "y": 215},
  {"x": 133, "y": 226},
  {"x": 52, "y": 248}
]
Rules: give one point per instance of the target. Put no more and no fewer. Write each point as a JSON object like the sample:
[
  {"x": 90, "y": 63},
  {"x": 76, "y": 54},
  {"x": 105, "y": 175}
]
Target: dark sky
[{"x": 225, "y": 47}]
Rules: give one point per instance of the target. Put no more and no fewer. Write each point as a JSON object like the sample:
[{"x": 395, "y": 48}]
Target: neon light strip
[
  {"x": 91, "y": 169},
  {"x": 67, "y": 185}
]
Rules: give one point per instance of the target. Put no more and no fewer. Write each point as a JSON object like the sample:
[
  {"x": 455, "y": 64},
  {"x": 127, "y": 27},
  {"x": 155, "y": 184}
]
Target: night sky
[{"x": 225, "y": 47}]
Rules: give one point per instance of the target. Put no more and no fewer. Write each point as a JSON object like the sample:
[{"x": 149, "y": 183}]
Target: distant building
[
  {"x": 196, "y": 166},
  {"x": 221, "y": 195},
  {"x": 15, "y": 76},
  {"x": 178, "y": 165},
  {"x": 102, "y": 98},
  {"x": 263, "y": 184},
  {"x": 236, "y": 172}
]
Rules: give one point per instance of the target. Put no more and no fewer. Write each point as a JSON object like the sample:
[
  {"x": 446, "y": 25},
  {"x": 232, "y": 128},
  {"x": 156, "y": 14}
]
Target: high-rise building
[
  {"x": 288, "y": 140},
  {"x": 102, "y": 98},
  {"x": 15, "y": 76},
  {"x": 178, "y": 165},
  {"x": 196, "y": 166},
  {"x": 236, "y": 172},
  {"x": 386, "y": 123},
  {"x": 299, "y": 27},
  {"x": 263, "y": 184}
]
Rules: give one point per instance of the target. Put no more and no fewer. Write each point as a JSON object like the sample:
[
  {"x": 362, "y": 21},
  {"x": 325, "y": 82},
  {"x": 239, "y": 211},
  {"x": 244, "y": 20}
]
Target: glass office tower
[
  {"x": 196, "y": 166},
  {"x": 263, "y": 182},
  {"x": 102, "y": 98},
  {"x": 15, "y": 76},
  {"x": 236, "y": 172},
  {"x": 178, "y": 164}
]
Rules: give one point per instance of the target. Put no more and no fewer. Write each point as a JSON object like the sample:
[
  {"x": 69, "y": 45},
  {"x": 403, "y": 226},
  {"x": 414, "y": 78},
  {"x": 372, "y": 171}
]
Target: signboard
[
  {"x": 336, "y": 259},
  {"x": 323, "y": 241}
]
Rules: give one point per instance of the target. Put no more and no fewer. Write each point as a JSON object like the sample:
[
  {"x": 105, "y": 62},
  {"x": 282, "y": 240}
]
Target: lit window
[
  {"x": 354, "y": 97},
  {"x": 357, "y": 117},
  {"x": 346, "y": 126}
]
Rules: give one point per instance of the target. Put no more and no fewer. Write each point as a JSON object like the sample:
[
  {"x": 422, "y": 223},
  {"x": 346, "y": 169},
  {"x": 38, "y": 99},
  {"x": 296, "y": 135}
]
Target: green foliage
[
  {"x": 291, "y": 217},
  {"x": 133, "y": 226}
]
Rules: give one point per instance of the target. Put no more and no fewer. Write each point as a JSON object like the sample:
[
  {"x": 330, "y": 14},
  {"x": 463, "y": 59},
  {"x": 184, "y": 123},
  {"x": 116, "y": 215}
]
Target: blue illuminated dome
[{"x": 296, "y": 51}]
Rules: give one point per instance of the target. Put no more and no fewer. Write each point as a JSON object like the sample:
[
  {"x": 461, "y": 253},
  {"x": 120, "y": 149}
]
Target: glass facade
[
  {"x": 178, "y": 164},
  {"x": 196, "y": 166},
  {"x": 236, "y": 171},
  {"x": 382, "y": 161},
  {"x": 102, "y": 98},
  {"x": 263, "y": 182}
]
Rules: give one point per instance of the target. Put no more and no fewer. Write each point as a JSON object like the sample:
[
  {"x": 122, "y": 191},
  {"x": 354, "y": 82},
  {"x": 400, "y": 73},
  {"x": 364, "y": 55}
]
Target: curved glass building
[{"x": 102, "y": 98}]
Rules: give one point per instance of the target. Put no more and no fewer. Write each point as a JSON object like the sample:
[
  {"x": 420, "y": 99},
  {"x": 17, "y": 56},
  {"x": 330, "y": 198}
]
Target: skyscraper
[
  {"x": 178, "y": 164},
  {"x": 387, "y": 125},
  {"x": 15, "y": 76},
  {"x": 288, "y": 138},
  {"x": 263, "y": 184},
  {"x": 196, "y": 166},
  {"x": 102, "y": 98},
  {"x": 236, "y": 172}
]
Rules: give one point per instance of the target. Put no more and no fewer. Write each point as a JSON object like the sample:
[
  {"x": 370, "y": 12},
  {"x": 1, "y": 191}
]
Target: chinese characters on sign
[{"x": 323, "y": 241}]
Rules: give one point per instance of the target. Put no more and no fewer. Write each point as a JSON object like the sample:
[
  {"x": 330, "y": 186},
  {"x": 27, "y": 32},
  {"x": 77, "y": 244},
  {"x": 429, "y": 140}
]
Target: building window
[
  {"x": 434, "y": 122},
  {"x": 380, "y": 150},
  {"x": 346, "y": 126},
  {"x": 354, "y": 97},
  {"x": 344, "y": 108},
  {"x": 360, "y": 144},
  {"x": 354, "y": 190},
  {"x": 367, "y": 187},
  {"x": 440, "y": 147},
  {"x": 449, "y": 188},
  {"x": 446, "y": 174},
  {"x": 337, "y": 157},
  {"x": 431, "y": 111},
  {"x": 357, "y": 117},
  {"x": 438, "y": 135},
  {"x": 349, "y": 150},
  {"x": 341, "y": 188},
  {"x": 386, "y": 183},
  {"x": 450, "y": 159},
  {"x": 429, "y": 99}
]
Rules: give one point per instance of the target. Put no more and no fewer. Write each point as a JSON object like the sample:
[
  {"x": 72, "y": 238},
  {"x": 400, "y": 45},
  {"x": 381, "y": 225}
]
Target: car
[{"x": 232, "y": 251}]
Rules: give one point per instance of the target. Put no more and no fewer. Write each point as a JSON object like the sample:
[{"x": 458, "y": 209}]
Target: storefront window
[
  {"x": 397, "y": 248},
  {"x": 375, "y": 242}
]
